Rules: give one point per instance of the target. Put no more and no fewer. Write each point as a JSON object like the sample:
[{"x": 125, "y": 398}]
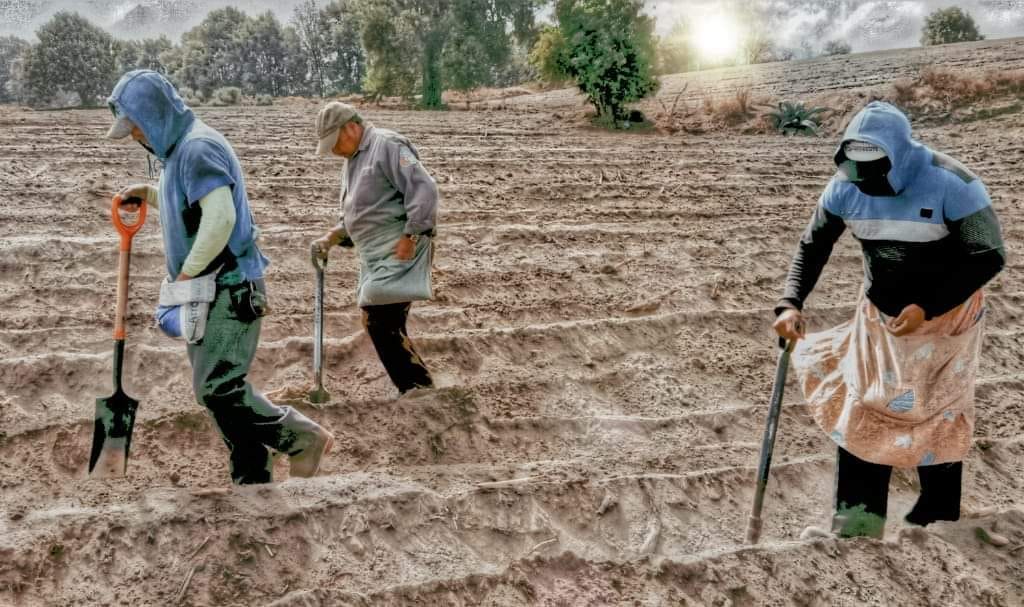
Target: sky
[{"x": 865, "y": 24}]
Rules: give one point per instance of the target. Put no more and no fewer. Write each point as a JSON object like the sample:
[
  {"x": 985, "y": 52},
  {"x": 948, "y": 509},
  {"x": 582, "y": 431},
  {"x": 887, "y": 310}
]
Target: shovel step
[{"x": 319, "y": 396}]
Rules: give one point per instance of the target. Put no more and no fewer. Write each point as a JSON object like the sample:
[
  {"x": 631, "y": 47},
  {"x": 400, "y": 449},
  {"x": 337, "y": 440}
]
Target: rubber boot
[{"x": 309, "y": 442}]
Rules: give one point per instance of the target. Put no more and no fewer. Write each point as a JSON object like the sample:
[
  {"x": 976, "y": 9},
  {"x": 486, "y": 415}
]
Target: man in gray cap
[
  {"x": 215, "y": 268},
  {"x": 389, "y": 208}
]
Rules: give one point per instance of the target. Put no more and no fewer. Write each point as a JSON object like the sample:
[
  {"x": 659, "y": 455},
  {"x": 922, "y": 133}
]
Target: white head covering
[{"x": 862, "y": 151}]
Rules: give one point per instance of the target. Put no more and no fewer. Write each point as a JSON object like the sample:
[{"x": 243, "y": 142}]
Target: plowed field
[{"x": 601, "y": 339}]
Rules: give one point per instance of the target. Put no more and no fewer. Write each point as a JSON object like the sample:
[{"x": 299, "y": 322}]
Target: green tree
[
  {"x": 12, "y": 50},
  {"x": 296, "y": 66},
  {"x": 264, "y": 53},
  {"x": 949, "y": 25},
  {"x": 345, "y": 61},
  {"x": 610, "y": 52},
  {"x": 72, "y": 56},
  {"x": 213, "y": 52},
  {"x": 314, "y": 39},
  {"x": 142, "y": 54},
  {"x": 517, "y": 69},
  {"x": 392, "y": 52},
  {"x": 476, "y": 48},
  {"x": 675, "y": 51},
  {"x": 438, "y": 35},
  {"x": 549, "y": 56}
]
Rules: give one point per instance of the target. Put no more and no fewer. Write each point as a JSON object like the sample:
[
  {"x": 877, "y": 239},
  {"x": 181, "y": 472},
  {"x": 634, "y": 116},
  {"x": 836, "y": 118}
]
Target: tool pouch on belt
[
  {"x": 249, "y": 300},
  {"x": 184, "y": 307}
]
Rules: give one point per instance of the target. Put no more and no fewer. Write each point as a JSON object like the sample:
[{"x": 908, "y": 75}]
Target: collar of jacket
[{"x": 364, "y": 142}]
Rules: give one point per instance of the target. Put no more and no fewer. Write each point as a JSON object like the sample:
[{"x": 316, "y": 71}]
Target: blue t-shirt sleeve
[{"x": 205, "y": 167}]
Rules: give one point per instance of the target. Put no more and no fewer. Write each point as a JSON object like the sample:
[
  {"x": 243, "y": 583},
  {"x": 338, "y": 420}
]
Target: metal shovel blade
[
  {"x": 112, "y": 436},
  {"x": 319, "y": 396}
]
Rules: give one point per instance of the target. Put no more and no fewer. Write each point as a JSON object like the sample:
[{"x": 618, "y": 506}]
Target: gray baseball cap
[
  {"x": 331, "y": 118},
  {"x": 122, "y": 126}
]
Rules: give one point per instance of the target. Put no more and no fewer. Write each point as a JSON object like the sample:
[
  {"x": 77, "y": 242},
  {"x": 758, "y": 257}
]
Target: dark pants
[
  {"x": 386, "y": 327},
  {"x": 250, "y": 424},
  {"x": 862, "y": 488}
]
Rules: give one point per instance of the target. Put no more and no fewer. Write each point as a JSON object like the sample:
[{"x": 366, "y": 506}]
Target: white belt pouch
[{"x": 185, "y": 305}]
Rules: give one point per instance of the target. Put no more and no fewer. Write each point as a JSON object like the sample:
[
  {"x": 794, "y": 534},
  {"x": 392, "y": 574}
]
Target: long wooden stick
[{"x": 768, "y": 442}]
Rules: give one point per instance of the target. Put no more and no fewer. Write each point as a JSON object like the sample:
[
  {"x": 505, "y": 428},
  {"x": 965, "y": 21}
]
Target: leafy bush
[
  {"x": 228, "y": 95},
  {"x": 949, "y": 25},
  {"x": 732, "y": 110},
  {"x": 796, "y": 119},
  {"x": 609, "y": 52},
  {"x": 939, "y": 91},
  {"x": 548, "y": 56},
  {"x": 191, "y": 97},
  {"x": 264, "y": 100},
  {"x": 836, "y": 47}
]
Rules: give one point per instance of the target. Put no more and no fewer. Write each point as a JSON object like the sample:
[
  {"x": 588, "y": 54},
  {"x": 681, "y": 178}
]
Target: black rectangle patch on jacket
[{"x": 926, "y": 213}]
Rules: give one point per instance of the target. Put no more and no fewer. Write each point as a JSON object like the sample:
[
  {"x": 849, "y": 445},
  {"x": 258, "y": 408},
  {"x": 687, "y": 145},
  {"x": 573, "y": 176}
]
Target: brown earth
[{"x": 601, "y": 336}]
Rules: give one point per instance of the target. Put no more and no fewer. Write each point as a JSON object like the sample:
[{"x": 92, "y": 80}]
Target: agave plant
[{"x": 796, "y": 119}]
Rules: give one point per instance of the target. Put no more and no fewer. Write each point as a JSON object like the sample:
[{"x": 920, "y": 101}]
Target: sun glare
[{"x": 717, "y": 37}]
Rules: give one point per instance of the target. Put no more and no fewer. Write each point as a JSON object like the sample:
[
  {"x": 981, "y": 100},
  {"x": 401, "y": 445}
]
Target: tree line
[{"x": 409, "y": 48}]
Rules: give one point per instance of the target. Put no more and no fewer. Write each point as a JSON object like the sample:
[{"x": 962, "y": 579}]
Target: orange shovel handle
[
  {"x": 124, "y": 259},
  {"x": 127, "y": 232}
]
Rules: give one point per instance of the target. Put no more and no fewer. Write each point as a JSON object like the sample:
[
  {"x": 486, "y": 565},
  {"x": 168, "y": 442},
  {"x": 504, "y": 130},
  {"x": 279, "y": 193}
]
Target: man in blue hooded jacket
[
  {"x": 209, "y": 233},
  {"x": 931, "y": 241}
]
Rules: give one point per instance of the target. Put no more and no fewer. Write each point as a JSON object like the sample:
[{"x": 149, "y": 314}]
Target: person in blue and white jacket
[
  {"x": 931, "y": 241},
  {"x": 209, "y": 237}
]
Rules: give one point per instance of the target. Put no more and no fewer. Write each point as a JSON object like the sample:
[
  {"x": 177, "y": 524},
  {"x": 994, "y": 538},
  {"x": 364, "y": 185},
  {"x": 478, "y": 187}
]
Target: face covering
[{"x": 871, "y": 177}]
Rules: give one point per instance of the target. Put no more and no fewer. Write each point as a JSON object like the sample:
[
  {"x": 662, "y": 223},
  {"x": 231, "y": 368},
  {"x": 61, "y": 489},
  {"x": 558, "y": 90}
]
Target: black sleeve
[
  {"x": 812, "y": 253},
  {"x": 982, "y": 255}
]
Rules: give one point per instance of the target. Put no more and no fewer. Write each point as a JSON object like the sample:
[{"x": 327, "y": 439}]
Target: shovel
[
  {"x": 115, "y": 415},
  {"x": 319, "y": 395},
  {"x": 768, "y": 442}
]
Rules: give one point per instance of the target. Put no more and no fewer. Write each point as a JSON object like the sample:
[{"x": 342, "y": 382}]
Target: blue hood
[
  {"x": 883, "y": 125},
  {"x": 152, "y": 104}
]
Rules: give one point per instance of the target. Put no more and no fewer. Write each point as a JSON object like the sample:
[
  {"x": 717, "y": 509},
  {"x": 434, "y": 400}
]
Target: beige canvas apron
[{"x": 900, "y": 401}]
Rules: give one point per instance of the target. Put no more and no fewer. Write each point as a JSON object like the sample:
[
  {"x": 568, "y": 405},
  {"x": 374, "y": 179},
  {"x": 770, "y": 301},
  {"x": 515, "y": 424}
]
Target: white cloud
[{"x": 865, "y": 24}]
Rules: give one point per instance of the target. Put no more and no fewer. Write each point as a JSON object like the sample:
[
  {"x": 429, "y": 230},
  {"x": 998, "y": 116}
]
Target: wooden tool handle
[
  {"x": 318, "y": 327},
  {"x": 768, "y": 442},
  {"x": 124, "y": 261},
  {"x": 753, "y": 529},
  {"x": 127, "y": 233}
]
